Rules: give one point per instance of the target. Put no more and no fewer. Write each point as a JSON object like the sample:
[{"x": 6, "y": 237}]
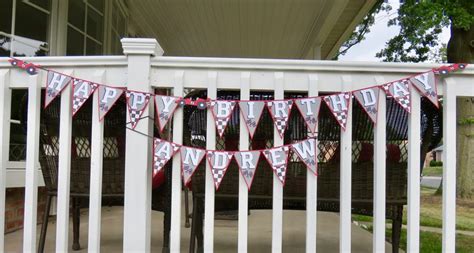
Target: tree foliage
[
  {"x": 421, "y": 23},
  {"x": 363, "y": 28}
]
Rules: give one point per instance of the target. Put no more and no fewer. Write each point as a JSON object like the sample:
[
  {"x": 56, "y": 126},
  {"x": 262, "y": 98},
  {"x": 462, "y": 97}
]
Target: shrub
[{"x": 436, "y": 163}]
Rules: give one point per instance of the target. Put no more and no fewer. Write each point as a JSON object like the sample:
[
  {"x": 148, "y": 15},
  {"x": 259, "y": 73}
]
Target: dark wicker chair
[
  {"x": 260, "y": 196},
  {"x": 113, "y": 164}
]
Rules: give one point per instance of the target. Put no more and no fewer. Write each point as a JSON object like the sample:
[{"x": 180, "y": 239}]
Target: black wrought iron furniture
[
  {"x": 113, "y": 164},
  {"x": 260, "y": 196}
]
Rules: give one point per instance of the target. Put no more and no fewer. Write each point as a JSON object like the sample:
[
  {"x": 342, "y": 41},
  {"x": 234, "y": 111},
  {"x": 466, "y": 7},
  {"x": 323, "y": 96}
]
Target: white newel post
[{"x": 137, "y": 210}]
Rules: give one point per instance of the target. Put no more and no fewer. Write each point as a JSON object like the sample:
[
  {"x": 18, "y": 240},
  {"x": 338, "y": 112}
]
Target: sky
[{"x": 380, "y": 34}]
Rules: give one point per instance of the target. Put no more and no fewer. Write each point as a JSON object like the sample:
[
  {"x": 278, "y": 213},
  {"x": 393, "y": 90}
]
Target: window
[
  {"x": 85, "y": 33},
  {"x": 118, "y": 27},
  {"x": 25, "y": 32}
]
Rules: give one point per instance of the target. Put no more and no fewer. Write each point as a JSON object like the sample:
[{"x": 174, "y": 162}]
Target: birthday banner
[
  {"x": 251, "y": 111},
  {"x": 247, "y": 161},
  {"x": 165, "y": 106}
]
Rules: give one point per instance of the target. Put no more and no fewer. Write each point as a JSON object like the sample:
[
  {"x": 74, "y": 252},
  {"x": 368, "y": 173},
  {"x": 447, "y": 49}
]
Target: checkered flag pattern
[
  {"x": 404, "y": 100},
  {"x": 339, "y": 115},
  {"x": 78, "y": 101},
  {"x": 135, "y": 114},
  {"x": 279, "y": 169},
  {"x": 426, "y": 84},
  {"x": 280, "y": 121},
  {"x": 55, "y": 84},
  {"x": 220, "y": 119},
  {"x": 218, "y": 168},
  {"x": 161, "y": 158}
]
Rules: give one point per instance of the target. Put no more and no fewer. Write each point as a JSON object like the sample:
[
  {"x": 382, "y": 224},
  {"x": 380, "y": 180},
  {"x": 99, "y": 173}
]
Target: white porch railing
[{"x": 143, "y": 69}]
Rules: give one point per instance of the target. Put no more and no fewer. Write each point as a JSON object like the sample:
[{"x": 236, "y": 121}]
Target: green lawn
[
  {"x": 433, "y": 171},
  {"x": 431, "y": 212},
  {"x": 431, "y": 242},
  {"x": 431, "y": 216}
]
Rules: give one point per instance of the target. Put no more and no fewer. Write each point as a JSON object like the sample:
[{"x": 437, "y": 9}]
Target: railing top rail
[
  {"x": 239, "y": 63},
  {"x": 71, "y": 61},
  {"x": 296, "y": 65}
]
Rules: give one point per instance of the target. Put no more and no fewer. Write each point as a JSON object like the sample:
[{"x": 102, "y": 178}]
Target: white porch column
[{"x": 137, "y": 209}]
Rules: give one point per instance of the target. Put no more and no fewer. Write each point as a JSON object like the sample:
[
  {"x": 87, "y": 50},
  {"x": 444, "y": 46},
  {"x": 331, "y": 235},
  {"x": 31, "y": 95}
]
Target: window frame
[
  {"x": 12, "y": 34},
  {"x": 84, "y": 33}
]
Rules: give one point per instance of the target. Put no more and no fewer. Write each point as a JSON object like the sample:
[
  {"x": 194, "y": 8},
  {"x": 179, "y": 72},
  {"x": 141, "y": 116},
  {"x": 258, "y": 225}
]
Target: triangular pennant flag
[
  {"x": 247, "y": 162},
  {"x": 280, "y": 111},
  {"x": 165, "y": 107},
  {"x": 278, "y": 160},
  {"x": 55, "y": 84},
  {"x": 339, "y": 106},
  {"x": 252, "y": 113},
  {"x": 369, "y": 100},
  {"x": 81, "y": 91},
  {"x": 136, "y": 103},
  {"x": 190, "y": 159},
  {"x": 307, "y": 152},
  {"x": 309, "y": 109},
  {"x": 222, "y": 110},
  {"x": 107, "y": 98},
  {"x": 426, "y": 84},
  {"x": 400, "y": 91},
  {"x": 163, "y": 151},
  {"x": 219, "y": 162}
]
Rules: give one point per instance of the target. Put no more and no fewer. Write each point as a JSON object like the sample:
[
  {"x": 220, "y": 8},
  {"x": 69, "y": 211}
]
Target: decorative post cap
[{"x": 141, "y": 46}]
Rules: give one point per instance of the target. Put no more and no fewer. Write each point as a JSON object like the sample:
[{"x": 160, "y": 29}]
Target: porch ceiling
[{"x": 245, "y": 28}]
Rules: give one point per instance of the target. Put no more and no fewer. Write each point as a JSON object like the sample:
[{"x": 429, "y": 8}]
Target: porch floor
[{"x": 260, "y": 236}]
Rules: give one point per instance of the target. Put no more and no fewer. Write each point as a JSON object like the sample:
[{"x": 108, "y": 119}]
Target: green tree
[{"x": 421, "y": 23}]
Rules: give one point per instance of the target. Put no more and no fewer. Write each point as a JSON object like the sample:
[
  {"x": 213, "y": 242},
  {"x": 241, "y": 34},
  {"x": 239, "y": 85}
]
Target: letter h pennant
[
  {"x": 339, "y": 106},
  {"x": 55, "y": 84}
]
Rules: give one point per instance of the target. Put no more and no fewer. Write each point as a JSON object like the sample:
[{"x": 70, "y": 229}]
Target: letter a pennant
[
  {"x": 252, "y": 112},
  {"x": 107, "y": 98},
  {"x": 165, "y": 107},
  {"x": 280, "y": 111},
  {"x": 426, "y": 84},
  {"x": 309, "y": 109},
  {"x": 400, "y": 91},
  {"x": 278, "y": 160},
  {"x": 307, "y": 152},
  {"x": 247, "y": 162},
  {"x": 136, "y": 103},
  {"x": 190, "y": 159},
  {"x": 82, "y": 90},
  {"x": 163, "y": 151},
  {"x": 369, "y": 100},
  {"x": 55, "y": 84},
  {"x": 222, "y": 111},
  {"x": 339, "y": 106},
  {"x": 219, "y": 162}
]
